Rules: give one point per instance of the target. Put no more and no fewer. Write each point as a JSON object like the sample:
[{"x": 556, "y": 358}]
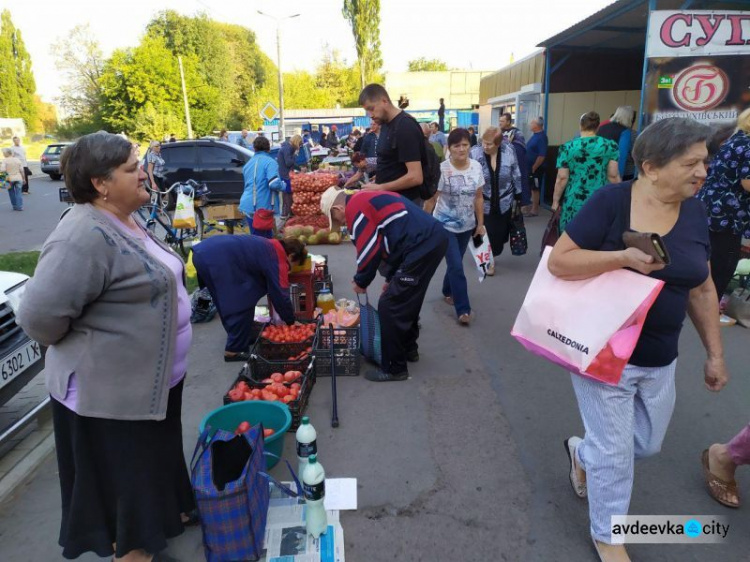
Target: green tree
[
  {"x": 17, "y": 84},
  {"x": 79, "y": 57},
  {"x": 338, "y": 80},
  {"x": 364, "y": 19},
  {"x": 427, "y": 65},
  {"x": 46, "y": 121}
]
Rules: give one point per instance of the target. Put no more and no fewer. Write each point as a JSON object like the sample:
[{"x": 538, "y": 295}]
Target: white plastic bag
[
  {"x": 482, "y": 256},
  {"x": 184, "y": 214}
]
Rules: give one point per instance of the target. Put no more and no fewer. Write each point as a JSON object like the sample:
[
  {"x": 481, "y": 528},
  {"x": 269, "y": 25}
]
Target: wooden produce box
[{"x": 222, "y": 212}]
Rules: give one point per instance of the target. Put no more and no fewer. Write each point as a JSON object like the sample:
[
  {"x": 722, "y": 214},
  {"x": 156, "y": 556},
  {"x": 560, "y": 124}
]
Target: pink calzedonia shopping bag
[{"x": 589, "y": 327}]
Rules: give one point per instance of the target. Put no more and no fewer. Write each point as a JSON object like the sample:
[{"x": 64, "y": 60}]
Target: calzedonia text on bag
[
  {"x": 307, "y": 449},
  {"x": 315, "y": 491},
  {"x": 567, "y": 341}
]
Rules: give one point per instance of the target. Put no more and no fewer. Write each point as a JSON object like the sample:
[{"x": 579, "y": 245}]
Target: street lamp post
[{"x": 278, "y": 21}]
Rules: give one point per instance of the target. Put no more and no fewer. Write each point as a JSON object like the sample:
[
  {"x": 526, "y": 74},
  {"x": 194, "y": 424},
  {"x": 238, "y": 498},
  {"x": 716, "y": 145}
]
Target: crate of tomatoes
[
  {"x": 292, "y": 388},
  {"x": 280, "y": 349}
]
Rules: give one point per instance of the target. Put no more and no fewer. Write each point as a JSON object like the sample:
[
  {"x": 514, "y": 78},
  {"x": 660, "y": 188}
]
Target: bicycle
[{"x": 155, "y": 217}]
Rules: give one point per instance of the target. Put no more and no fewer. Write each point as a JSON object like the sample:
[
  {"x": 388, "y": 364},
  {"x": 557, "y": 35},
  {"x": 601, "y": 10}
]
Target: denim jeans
[
  {"x": 454, "y": 282},
  {"x": 16, "y": 199}
]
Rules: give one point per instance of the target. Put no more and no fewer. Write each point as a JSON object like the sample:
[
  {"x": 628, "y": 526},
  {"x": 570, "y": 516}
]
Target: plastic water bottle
[
  {"x": 306, "y": 444},
  {"x": 314, "y": 484}
]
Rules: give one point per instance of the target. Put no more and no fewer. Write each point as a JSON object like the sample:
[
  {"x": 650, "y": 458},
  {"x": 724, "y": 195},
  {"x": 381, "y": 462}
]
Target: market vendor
[
  {"x": 365, "y": 169},
  {"x": 390, "y": 230},
  {"x": 240, "y": 270}
]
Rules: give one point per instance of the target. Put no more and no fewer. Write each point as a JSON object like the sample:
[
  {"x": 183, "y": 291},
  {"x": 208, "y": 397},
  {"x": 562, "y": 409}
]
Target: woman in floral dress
[{"x": 584, "y": 164}]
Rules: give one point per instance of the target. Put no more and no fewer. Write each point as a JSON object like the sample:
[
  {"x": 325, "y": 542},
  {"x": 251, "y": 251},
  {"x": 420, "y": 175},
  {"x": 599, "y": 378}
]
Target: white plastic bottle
[
  {"x": 314, "y": 484},
  {"x": 306, "y": 444}
]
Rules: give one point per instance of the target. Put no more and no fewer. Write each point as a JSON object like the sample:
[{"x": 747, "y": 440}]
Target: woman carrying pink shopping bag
[{"x": 629, "y": 419}]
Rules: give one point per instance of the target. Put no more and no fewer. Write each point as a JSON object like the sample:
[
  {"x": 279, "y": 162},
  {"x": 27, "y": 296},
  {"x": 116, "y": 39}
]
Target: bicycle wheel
[
  {"x": 157, "y": 222},
  {"x": 186, "y": 237}
]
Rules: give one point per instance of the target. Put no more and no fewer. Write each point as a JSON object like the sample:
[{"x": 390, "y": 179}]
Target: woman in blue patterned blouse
[{"x": 726, "y": 194}]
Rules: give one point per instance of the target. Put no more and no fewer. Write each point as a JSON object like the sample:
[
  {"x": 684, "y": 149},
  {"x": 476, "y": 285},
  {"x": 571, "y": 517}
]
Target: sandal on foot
[
  {"x": 579, "y": 488},
  {"x": 719, "y": 489}
]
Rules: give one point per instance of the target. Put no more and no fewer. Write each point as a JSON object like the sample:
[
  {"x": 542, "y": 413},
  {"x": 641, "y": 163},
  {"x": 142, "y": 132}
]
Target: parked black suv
[{"x": 216, "y": 163}]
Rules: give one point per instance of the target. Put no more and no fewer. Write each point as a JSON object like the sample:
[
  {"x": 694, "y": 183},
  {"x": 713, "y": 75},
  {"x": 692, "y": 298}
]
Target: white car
[{"x": 21, "y": 358}]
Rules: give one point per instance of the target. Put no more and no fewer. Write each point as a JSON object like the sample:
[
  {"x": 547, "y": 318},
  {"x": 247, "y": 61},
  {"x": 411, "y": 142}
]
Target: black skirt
[
  {"x": 123, "y": 482},
  {"x": 498, "y": 230}
]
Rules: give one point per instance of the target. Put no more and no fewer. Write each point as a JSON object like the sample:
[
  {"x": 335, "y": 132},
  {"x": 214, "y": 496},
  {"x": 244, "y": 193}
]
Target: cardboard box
[{"x": 222, "y": 212}]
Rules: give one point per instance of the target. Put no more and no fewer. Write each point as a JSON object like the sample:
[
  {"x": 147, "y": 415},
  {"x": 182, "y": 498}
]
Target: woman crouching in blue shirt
[{"x": 629, "y": 420}]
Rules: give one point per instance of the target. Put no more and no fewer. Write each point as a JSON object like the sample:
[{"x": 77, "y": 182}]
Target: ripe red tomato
[
  {"x": 242, "y": 428},
  {"x": 288, "y": 398},
  {"x": 236, "y": 395},
  {"x": 277, "y": 377},
  {"x": 268, "y": 433}
]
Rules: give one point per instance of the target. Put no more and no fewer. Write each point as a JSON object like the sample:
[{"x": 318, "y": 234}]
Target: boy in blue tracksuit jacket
[
  {"x": 239, "y": 271},
  {"x": 394, "y": 235}
]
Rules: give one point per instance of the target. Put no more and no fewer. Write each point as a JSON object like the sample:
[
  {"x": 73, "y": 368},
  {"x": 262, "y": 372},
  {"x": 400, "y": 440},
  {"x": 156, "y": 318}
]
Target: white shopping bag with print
[
  {"x": 482, "y": 255},
  {"x": 184, "y": 214}
]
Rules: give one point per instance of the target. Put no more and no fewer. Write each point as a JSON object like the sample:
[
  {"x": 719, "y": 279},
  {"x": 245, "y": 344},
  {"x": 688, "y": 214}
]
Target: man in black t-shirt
[{"x": 400, "y": 145}]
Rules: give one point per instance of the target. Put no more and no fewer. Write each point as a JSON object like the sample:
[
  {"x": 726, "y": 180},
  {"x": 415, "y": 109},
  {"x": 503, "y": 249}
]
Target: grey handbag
[{"x": 738, "y": 306}]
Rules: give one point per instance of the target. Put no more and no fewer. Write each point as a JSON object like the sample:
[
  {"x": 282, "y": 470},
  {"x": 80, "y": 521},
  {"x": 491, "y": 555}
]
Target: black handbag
[{"x": 519, "y": 244}]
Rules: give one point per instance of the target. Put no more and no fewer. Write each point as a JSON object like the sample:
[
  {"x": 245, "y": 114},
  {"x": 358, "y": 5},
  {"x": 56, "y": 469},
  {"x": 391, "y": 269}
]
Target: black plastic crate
[
  {"x": 273, "y": 351},
  {"x": 347, "y": 362},
  {"x": 343, "y": 338},
  {"x": 296, "y": 407}
]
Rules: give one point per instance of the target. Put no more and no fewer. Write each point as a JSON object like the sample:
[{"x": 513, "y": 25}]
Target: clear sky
[{"x": 478, "y": 34}]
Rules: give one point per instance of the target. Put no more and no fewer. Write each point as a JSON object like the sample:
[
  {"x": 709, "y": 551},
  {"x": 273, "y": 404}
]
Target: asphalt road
[
  {"x": 464, "y": 461},
  {"x": 27, "y": 230}
]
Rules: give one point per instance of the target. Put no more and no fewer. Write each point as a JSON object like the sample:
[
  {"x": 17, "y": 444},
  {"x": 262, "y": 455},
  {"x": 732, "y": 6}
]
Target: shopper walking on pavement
[
  {"x": 726, "y": 195},
  {"x": 261, "y": 199},
  {"x": 502, "y": 186},
  {"x": 239, "y": 271},
  {"x": 13, "y": 169},
  {"x": 720, "y": 462},
  {"x": 536, "y": 154},
  {"x": 441, "y": 116},
  {"x": 619, "y": 129},
  {"x": 155, "y": 166},
  {"x": 400, "y": 146},
  {"x": 459, "y": 206},
  {"x": 584, "y": 164},
  {"x": 390, "y": 231},
  {"x": 108, "y": 301},
  {"x": 515, "y": 137},
  {"x": 286, "y": 158},
  {"x": 20, "y": 152},
  {"x": 629, "y": 420}
]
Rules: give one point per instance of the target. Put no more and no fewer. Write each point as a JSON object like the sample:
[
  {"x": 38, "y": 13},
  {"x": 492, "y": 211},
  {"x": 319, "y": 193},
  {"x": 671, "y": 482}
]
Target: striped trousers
[{"x": 622, "y": 423}]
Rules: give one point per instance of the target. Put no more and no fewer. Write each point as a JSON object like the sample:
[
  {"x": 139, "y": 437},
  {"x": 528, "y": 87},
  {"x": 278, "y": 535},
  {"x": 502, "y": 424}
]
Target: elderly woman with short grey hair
[
  {"x": 629, "y": 420},
  {"x": 108, "y": 299}
]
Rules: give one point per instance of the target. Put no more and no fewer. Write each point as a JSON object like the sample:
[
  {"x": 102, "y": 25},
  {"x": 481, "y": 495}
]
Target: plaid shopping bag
[
  {"x": 369, "y": 325},
  {"x": 231, "y": 491}
]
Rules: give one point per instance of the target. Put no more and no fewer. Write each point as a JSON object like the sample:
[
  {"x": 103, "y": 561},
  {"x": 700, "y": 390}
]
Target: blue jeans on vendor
[
  {"x": 454, "y": 282},
  {"x": 14, "y": 192}
]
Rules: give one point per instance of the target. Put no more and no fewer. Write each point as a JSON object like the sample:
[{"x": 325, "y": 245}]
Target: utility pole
[
  {"x": 185, "y": 99},
  {"x": 282, "y": 134}
]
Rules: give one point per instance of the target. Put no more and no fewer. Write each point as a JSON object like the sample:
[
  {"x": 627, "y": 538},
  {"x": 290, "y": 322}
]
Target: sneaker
[
  {"x": 412, "y": 356},
  {"x": 464, "y": 319},
  {"x": 491, "y": 271},
  {"x": 376, "y": 375},
  {"x": 243, "y": 356},
  {"x": 579, "y": 488}
]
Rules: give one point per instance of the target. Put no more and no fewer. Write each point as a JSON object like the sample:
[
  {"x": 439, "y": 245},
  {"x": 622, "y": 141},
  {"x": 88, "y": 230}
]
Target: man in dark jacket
[
  {"x": 370, "y": 141},
  {"x": 333, "y": 139},
  {"x": 240, "y": 270},
  {"x": 406, "y": 244}
]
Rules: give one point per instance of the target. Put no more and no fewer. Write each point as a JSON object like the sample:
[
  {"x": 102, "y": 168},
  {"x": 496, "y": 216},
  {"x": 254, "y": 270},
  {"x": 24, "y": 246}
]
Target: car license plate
[{"x": 18, "y": 361}]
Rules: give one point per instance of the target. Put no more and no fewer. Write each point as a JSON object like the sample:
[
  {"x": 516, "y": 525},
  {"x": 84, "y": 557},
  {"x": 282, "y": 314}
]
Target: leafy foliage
[
  {"x": 17, "y": 84},
  {"x": 427, "y": 65},
  {"x": 364, "y": 18}
]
